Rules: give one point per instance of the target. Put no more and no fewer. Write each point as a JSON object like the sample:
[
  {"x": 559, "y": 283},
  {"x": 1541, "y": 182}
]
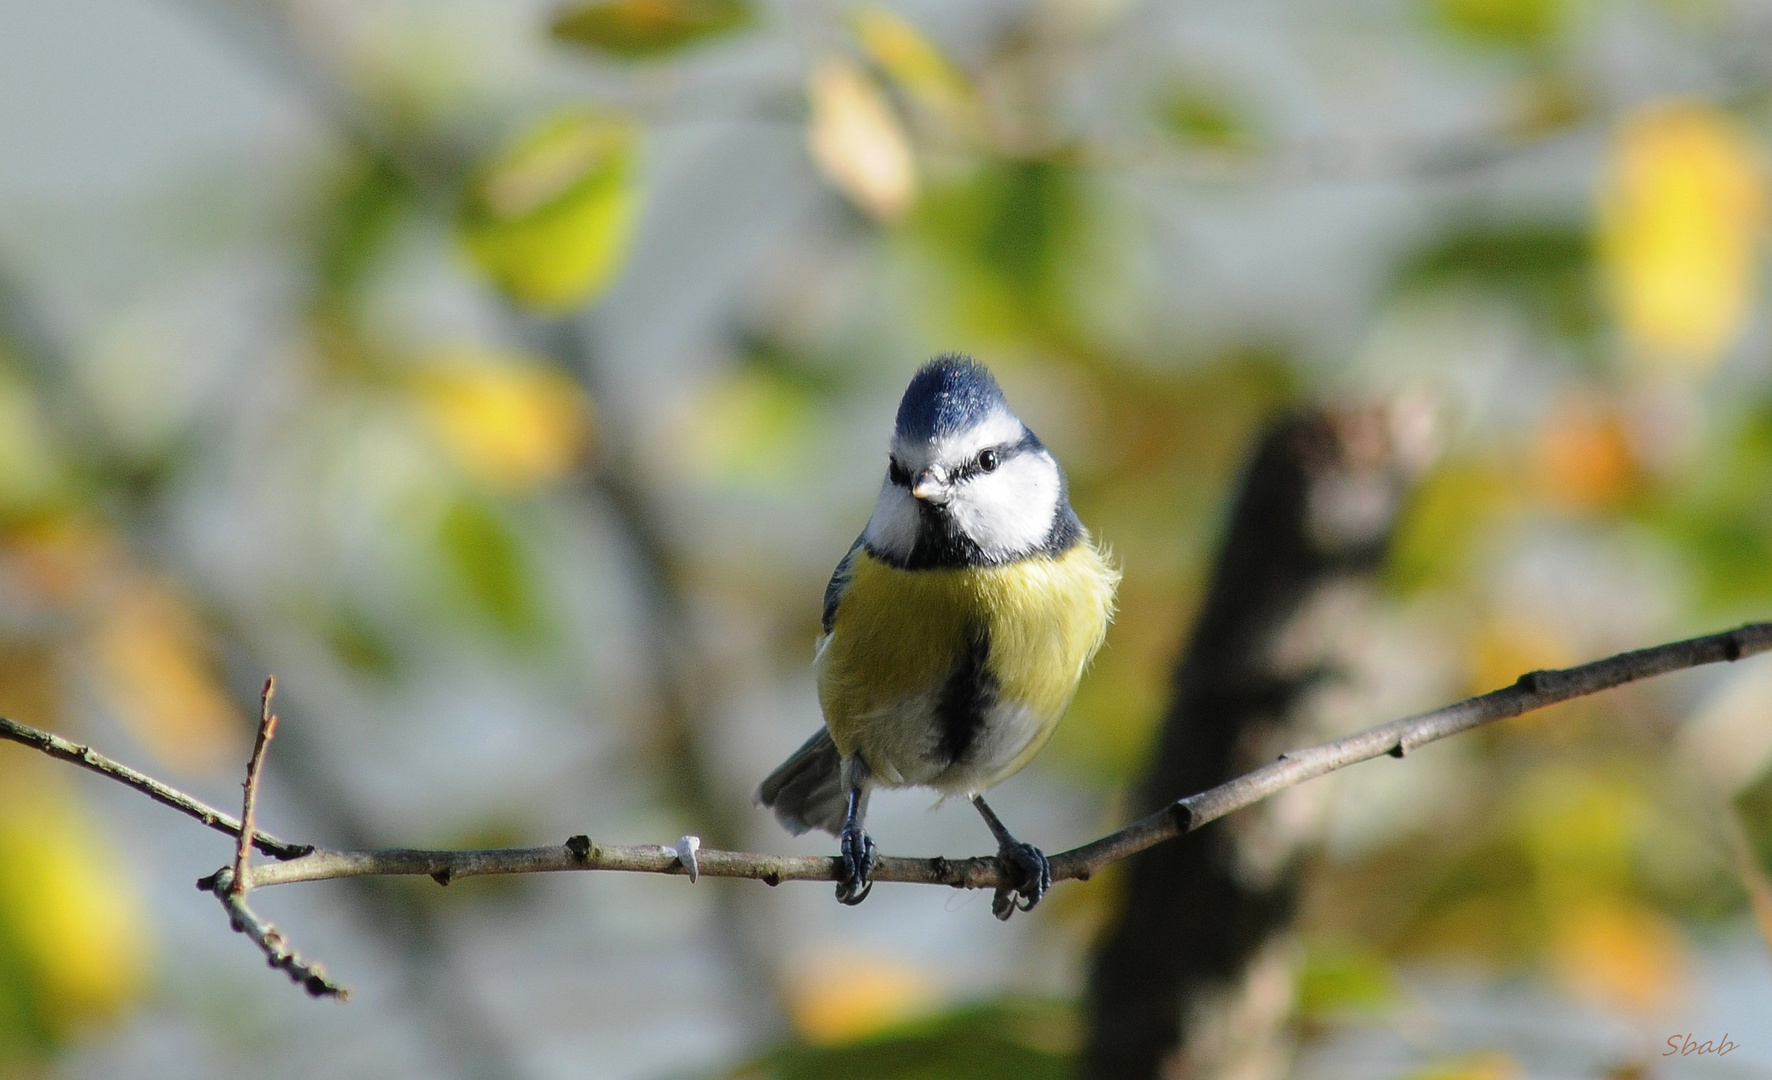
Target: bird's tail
[{"x": 806, "y": 791}]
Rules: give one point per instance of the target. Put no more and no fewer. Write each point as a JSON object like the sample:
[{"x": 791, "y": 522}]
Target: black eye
[
  {"x": 897, "y": 474},
  {"x": 988, "y": 461}
]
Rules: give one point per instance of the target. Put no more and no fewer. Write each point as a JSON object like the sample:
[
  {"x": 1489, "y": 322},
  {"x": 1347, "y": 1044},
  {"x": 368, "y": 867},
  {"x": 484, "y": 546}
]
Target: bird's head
[{"x": 966, "y": 483}]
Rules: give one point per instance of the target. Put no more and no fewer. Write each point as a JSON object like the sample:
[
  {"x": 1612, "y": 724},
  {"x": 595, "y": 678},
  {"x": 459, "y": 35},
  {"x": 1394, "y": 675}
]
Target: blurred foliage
[
  {"x": 844, "y": 996},
  {"x": 1525, "y": 24},
  {"x": 157, "y": 669},
  {"x": 1624, "y": 406},
  {"x": 913, "y": 62},
  {"x": 1493, "y": 1065},
  {"x": 1009, "y": 233},
  {"x": 73, "y": 947},
  {"x": 1721, "y": 516},
  {"x": 1006, "y": 1040},
  {"x": 368, "y": 199},
  {"x": 1206, "y": 115},
  {"x": 492, "y": 570},
  {"x": 511, "y": 422},
  {"x": 1341, "y": 977},
  {"x": 647, "y": 28},
  {"x": 549, "y": 218},
  {"x": 1681, "y": 219},
  {"x": 1546, "y": 269},
  {"x": 856, "y": 140}
]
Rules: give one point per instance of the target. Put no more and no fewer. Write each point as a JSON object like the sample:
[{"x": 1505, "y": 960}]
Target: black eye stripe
[
  {"x": 975, "y": 467},
  {"x": 897, "y": 473}
]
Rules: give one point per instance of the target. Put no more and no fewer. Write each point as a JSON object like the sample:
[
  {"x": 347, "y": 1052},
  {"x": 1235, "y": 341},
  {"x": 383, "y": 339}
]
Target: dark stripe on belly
[{"x": 966, "y": 698}]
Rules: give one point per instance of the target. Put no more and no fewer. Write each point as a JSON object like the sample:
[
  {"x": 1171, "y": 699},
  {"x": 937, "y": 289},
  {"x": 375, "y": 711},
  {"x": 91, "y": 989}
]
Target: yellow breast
[{"x": 899, "y": 635}]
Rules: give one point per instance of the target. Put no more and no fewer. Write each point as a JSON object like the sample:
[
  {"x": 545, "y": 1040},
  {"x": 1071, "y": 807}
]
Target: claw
[
  {"x": 858, "y": 866},
  {"x": 1030, "y": 873}
]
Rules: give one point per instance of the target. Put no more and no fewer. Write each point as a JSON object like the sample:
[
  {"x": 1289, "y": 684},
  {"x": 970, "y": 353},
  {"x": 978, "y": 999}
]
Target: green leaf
[
  {"x": 491, "y": 568},
  {"x": 1206, "y": 116},
  {"x": 357, "y": 643},
  {"x": 1523, "y": 24},
  {"x": 1753, "y": 805},
  {"x": 362, "y": 210},
  {"x": 549, "y": 218},
  {"x": 1338, "y": 978},
  {"x": 1014, "y": 233},
  {"x": 1002, "y": 1040},
  {"x": 1448, "y": 517},
  {"x": 640, "y": 29},
  {"x": 30, "y": 475},
  {"x": 1720, "y": 517},
  {"x": 1548, "y": 269}
]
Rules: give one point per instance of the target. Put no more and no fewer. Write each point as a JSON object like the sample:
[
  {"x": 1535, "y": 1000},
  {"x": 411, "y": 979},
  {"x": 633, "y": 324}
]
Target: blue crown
[{"x": 947, "y": 395}]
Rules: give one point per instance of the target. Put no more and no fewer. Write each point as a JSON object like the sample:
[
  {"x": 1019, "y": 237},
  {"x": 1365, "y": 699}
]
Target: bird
[{"x": 954, "y": 631}]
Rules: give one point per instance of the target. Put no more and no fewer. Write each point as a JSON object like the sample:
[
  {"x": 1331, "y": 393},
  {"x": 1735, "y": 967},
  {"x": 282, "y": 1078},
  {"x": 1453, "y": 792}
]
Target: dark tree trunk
[{"x": 1193, "y": 977}]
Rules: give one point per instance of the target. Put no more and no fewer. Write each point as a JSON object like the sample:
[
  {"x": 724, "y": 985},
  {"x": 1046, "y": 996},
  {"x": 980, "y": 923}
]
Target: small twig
[
  {"x": 267, "y": 727},
  {"x": 270, "y": 940},
  {"x": 230, "y": 885},
  {"x": 88, "y": 758}
]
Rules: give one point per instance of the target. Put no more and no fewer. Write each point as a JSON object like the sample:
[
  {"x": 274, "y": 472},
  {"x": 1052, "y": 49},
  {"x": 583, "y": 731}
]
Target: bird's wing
[{"x": 833, "y": 593}]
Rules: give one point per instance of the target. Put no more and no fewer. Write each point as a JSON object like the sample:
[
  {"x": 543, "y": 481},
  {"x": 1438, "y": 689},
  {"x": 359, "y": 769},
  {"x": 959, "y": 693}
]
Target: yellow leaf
[
  {"x": 1507, "y": 647},
  {"x": 1490, "y": 1066},
  {"x": 75, "y": 918},
  {"x": 1680, "y": 213},
  {"x": 842, "y": 996},
  {"x": 510, "y": 422},
  {"x": 550, "y": 217},
  {"x": 857, "y": 141},
  {"x": 1616, "y": 952},
  {"x": 156, "y": 670},
  {"x": 910, "y": 59},
  {"x": 1585, "y": 460}
]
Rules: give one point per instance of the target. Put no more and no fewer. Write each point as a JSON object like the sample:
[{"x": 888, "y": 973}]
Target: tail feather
[{"x": 806, "y": 791}]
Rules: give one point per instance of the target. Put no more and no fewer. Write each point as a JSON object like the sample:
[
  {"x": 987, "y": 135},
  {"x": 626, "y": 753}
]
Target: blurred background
[{"x": 508, "y": 377}]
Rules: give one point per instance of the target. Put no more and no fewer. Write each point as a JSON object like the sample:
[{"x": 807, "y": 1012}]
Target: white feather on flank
[{"x": 1007, "y": 513}]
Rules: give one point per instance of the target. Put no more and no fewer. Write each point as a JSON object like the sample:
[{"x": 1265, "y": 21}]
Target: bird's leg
[
  {"x": 1028, "y": 872},
  {"x": 857, "y": 855}
]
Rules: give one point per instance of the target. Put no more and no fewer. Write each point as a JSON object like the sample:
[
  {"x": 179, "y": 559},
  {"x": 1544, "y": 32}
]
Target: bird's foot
[
  {"x": 857, "y": 856},
  {"x": 1029, "y": 874}
]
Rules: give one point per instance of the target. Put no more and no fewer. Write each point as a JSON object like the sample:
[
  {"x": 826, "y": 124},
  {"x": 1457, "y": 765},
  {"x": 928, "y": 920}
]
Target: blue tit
[{"x": 955, "y": 629}]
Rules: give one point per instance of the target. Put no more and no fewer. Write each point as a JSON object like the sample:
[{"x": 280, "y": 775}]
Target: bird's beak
[{"x": 931, "y": 486}]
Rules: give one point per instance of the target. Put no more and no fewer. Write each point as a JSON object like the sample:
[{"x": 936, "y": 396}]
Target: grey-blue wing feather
[{"x": 833, "y": 593}]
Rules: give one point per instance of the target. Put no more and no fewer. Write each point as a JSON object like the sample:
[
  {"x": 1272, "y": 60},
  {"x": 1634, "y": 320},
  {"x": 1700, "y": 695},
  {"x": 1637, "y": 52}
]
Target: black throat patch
[{"x": 966, "y": 698}]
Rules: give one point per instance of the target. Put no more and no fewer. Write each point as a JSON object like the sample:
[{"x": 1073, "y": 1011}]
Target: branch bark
[
  {"x": 1533, "y": 690},
  {"x": 88, "y": 758}
]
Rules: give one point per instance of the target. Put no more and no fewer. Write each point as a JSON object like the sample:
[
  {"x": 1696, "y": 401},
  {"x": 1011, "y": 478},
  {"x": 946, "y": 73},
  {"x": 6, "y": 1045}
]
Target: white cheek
[
  {"x": 892, "y": 531},
  {"x": 1009, "y": 512}
]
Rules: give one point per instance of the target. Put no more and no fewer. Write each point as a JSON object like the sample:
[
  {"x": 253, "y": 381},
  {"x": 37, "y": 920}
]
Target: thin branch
[
  {"x": 267, "y": 726},
  {"x": 88, "y": 758},
  {"x": 270, "y": 940},
  {"x": 1534, "y": 690}
]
